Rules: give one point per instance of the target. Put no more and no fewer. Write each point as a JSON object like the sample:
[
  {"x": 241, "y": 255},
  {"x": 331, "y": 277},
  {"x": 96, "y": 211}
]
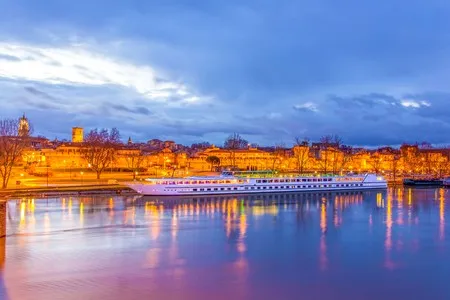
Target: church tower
[
  {"x": 77, "y": 134},
  {"x": 24, "y": 126}
]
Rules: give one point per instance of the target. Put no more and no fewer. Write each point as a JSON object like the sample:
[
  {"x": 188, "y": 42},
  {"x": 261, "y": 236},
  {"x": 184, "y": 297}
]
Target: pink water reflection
[{"x": 317, "y": 246}]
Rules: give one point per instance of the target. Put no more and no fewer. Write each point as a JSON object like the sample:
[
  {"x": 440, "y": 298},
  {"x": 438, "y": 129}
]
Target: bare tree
[
  {"x": 232, "y": 143},
  {"x": 376, "y": 162},
  {"x": 277, "y": 156},
  {"x": 13, "y": 142},
  {"x": 395, "y": 167},
  {"x": 301, "y": 153},
  {"x": 135, "y": 161},
  {"x": 347, "y": 156},
  {"x": 411, "y": 157},
  {"x": 100, "y": 148},
  {"x": 329, "y": 152}
]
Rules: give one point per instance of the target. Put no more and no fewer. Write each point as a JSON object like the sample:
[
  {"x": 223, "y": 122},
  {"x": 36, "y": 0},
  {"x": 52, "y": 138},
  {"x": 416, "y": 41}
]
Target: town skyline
[{"x": 220, "y": 143}]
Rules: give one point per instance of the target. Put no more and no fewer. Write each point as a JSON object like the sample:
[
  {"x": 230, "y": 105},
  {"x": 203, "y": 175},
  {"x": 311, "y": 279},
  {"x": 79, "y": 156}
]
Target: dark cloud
[
  {"x": 303, "y": 108},
  {"x": 9, "y": 57},
  {"x": 39, "y": 93},
  {"x": 135, "y": 110}
]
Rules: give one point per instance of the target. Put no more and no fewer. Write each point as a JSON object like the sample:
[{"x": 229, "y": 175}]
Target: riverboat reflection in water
[{"x": 346, "y": 245}]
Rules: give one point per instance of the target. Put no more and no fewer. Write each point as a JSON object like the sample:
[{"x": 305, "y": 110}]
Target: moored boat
[
  {"x": 237, "y": 182},
  {"x": 422, "y": 182},
  {"x": 446, "y": 182}
]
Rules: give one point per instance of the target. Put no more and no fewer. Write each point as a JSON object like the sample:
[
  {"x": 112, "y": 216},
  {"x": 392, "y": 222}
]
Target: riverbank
[{"x": 62, "y": 190}]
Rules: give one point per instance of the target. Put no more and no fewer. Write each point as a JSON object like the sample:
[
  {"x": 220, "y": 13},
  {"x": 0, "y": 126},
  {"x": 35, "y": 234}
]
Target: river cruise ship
[{"x": 238, "y": 182}]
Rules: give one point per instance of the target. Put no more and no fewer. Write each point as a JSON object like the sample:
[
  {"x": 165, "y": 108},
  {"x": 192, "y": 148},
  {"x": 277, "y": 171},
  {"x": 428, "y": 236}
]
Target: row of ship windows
[
  {"x": 259, "y": 181},
  {"x": 275, "y": 187},
  {"x": 308, "y": 180}
]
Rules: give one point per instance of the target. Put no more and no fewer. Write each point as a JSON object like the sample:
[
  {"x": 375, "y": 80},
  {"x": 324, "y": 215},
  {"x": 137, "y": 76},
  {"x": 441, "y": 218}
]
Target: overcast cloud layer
[{"x": 374, "y": 73}]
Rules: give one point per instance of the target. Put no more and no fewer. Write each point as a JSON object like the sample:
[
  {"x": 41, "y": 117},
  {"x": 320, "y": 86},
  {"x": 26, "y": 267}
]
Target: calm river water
[{"x": 355, "y": 245}]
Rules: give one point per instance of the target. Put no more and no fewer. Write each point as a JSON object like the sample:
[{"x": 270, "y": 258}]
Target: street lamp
[{"x": 81, "y": 177}]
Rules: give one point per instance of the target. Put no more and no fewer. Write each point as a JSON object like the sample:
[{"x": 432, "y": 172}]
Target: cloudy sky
[{"x": 374, "y": 72}]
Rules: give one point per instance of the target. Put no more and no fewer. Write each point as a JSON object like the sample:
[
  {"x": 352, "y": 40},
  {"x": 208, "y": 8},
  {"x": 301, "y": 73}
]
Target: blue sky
[{"x": 375, "y": 72}]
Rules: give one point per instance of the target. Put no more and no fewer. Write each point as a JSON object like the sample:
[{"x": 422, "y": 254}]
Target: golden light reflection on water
[
  {"x": 81, "y": 213},
  {"x": 153, "y": 216},
  {"x": 168, "y": 226},
  {"x": 388, "y": 240},
  {"x": 441, "y": 214},
  {"x": 70, "y": 208},
  {"x": 323, "y": 242},
  {"x": 399, "y": 210},
  {"x": 22, "y": 214},
  {"x": 174, "y": 227},
  {"x": 241, "y": 247}
]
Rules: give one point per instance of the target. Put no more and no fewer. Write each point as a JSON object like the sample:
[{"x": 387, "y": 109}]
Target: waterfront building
[
  {"x": 163, "y": 157},
  {"x": 246, "y": 159}
]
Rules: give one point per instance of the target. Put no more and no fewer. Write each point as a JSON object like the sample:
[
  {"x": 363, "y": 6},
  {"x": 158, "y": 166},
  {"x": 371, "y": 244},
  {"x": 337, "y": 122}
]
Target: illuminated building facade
[
  {"x": 77, "y": 135},
  {"x": 24, "y": 126}
]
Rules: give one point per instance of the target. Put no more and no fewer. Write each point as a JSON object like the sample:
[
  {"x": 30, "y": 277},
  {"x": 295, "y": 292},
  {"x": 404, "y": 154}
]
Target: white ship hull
[{"x": 231, "y": 185}]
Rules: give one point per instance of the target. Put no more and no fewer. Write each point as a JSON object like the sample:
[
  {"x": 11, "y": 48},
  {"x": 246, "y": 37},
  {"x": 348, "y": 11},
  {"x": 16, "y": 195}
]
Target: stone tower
[
  {"x": 24, "y": 126},
  {"x": 77, "y": 135}
]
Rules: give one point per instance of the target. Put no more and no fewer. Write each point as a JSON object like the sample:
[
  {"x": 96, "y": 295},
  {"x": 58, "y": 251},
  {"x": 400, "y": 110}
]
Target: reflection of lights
[
  {"x": 409, "y": 197},
  {"x": 380, "y": 203},
  {"x": 323, "y": 226},
  {"x": 47, "y": 222},
  {"x": 22, "y": 213},
  {"x": 242, "y": 225},
  {"x": 174, "y": 225},
  {"x": 152, "y": 258},
  {"x": 336, "y": 220},
  {"x": 400, "y": 209},
  {"x": 441, "y": 214},
  {"x": 388, "y": 242},
  {"x": 81, "y": 213},
  {"x": 262, "y": 210},
  {"x": 70, "y": 207},
  {"x": 323, "y": 217},
  {"x": 228, "y": 223}
]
